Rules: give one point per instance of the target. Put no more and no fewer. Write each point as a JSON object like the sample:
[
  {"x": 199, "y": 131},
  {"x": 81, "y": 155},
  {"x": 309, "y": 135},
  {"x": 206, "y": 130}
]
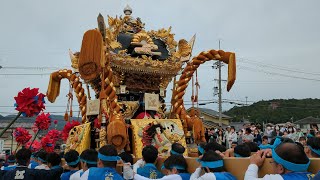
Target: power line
[
  {"x": 282, "y": 68},
  {"x": 275, "y": 73},
  {"x": 262, "y": 64}
]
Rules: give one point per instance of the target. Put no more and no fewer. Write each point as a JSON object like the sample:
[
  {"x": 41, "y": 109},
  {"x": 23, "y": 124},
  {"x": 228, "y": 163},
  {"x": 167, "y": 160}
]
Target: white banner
[
  {"x": 151, "y": 101},
  {"x": 93, "y": 107}
]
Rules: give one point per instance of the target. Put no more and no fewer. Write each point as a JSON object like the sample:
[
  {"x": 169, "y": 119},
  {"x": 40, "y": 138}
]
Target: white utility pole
[{"x": 220, "y": 99}]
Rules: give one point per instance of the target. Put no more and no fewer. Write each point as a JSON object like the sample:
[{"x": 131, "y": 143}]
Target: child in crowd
[
  {"x": 253, "y": 146},
  {"x": 12, "y": 163},
  {"x": 201, "y": 147},
  {"x": 88, "y": 159},
  {"x": 146, "y": 167},
  {"x": 242, "y": 150},
  {"x": 212, "y": 164},
  {"x": 175, "y": 168},
  {"x": 42, "y": 160},
  {"x": 264, "y": 140},
  {"x": 234, "y": 144},
  {"x": 73, "y": 160},
  {"x": 303, "y": 140},
  {"x": 313, "y": 147},
  {"x": 177, "y": 149},
  {"x": 176, "y": 164},
  {"x": 214, "y": 146},
  {"x": 127, "y": 161},
  {"x": 57, "y": 149},
  {"x": 33, "y": 161},
  {"x": 54, "y": 161},
  {"x": 240, "y": 134},
  {"x": 106, "y": 166}
]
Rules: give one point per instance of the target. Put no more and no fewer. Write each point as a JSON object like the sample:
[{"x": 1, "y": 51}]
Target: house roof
[
  {"x": 210, "y": 124},
  {"x": 211, "y": 112},
  {"x": 308, "y": 120}
]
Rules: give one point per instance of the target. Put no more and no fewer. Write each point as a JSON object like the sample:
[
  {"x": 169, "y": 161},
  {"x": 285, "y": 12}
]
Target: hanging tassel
[
  {"x": 197, "y": 89},
  {"x": 71, "y": 113},
  {"x": 195, "y": 98},
  {"x": 66, "y": 116},
  {"x": 192, "y": 95},
  {"x": 70, "y": 101}
]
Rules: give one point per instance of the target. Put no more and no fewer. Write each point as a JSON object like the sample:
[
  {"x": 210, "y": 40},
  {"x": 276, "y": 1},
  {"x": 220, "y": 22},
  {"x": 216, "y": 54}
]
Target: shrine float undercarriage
[{"x": 129, "y": 69}]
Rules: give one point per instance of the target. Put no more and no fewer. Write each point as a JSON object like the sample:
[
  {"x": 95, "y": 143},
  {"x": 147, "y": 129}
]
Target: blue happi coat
[{"x": 103, "y": 174}]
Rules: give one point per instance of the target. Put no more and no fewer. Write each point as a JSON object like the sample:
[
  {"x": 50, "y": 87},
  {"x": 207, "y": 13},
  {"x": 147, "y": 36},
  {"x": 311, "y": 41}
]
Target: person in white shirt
[
  {"x": 247, "y": 136},
  {"x": 268, "y": 132},
  {"x": 42, "y": 160},
  {"x": 288, "y": 162},
  {"x": 212, "y": 164},
  {"x": 226, "y": 136},
  {"x": 88, "y": 159},
  {"x": 233, "y": 137},
  {"x": 292, "y": 134},
  {"x": 127, "y": 160},
  {"x": 12, "y": 163}
]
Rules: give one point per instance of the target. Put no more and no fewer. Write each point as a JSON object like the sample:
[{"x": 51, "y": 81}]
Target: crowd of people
[
  {"x": 289, "y": 157},
  {"x": 253, "y": 132}
]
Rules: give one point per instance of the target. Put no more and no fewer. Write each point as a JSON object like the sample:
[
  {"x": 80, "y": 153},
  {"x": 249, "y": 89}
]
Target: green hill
[{"x": 277, "y": 110}]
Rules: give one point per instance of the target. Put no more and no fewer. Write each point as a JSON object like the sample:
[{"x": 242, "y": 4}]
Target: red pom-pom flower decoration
[
  {"x": 67, "y": 128},
  {"x": 47, "y": 144},
  {"x": 21, "y": 135},
  {"x": 55, "y": 122},
  {"x": 36, "y": 146},
  {"x": 43, "y": 121},
  {"x": 30, "y": 102},
  {"x": 54, "y": 134}
]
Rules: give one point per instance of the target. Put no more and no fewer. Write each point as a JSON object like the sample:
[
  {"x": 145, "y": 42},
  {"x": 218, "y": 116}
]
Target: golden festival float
[{"x": 129, "y": 69}]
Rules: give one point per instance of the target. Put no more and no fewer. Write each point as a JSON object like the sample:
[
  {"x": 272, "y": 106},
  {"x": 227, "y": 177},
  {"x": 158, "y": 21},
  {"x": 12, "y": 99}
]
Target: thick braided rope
[
  {"x": 181, "y": 85},
  {"x": 77, "y": 87},
  {"x": 110, "y": 105},
  {"x": 117, "y": 129}
]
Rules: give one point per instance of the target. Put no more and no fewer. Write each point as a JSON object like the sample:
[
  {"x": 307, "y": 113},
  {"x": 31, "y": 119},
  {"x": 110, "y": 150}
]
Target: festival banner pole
[
  {"x": 35, "y": 136},
  {"x": 10, "y": 124}
]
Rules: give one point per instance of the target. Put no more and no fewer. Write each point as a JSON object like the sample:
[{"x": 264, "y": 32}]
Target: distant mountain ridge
[
  {"x": 60, "y": 118},
  {"x": 276, "y": 110}
]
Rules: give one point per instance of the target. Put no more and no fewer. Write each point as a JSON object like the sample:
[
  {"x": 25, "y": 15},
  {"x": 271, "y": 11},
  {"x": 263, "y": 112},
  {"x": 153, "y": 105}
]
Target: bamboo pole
[
  {"x": 10, "y": 124},
  {"x": 34, "y": 138}
]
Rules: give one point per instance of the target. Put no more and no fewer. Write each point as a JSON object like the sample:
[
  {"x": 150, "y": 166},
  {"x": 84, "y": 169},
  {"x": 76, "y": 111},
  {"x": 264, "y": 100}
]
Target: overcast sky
[{"x": 274, "y": 42}]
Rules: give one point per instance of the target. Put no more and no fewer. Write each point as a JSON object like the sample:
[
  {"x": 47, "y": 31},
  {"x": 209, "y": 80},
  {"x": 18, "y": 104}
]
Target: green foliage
[{"x": 276, "y": 111}]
